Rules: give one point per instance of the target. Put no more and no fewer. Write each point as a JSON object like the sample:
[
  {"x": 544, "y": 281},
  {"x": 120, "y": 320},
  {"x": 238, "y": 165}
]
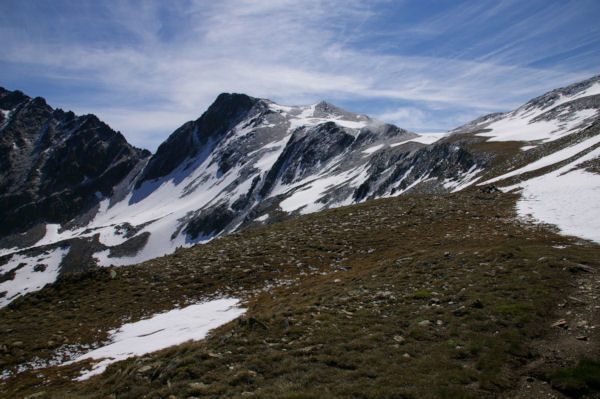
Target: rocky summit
[
  {"x": 55, "y": 166},
  {"x": 244, "y": 162},
  {"x": 370, "y": 261}
]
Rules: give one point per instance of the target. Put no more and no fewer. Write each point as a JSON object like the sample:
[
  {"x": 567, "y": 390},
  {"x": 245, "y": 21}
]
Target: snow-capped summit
[
  {"x": 548, "y": 117},
  {"x": 249, "y": 161},
  {"x": 69, "y": 181},
  {"x": 244, "y": 158}
]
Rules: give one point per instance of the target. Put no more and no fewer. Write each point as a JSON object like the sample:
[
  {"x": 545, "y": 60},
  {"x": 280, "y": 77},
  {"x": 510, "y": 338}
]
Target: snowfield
[
  {"x": 551, "y": 159},
  {"x": 161, "y": 331},
  {"x": 520, "y": 125},
  {"x": 32, "y": 274},
  {"x": 568, "y": 198}
]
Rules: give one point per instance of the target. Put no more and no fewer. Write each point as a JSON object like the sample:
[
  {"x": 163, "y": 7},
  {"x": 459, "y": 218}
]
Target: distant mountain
[
  {"x": 549, "y": 150},
  {"x": 247, "y": 162},
  {"x": 54, "y": 165}
]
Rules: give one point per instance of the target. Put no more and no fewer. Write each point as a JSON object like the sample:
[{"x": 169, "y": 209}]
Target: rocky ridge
[
  {"x": 244, "y": 162},
  {"x": 247, "y": 162},
  {"x": 55, "y": 165},
  {"x": 418, "y": 295}
]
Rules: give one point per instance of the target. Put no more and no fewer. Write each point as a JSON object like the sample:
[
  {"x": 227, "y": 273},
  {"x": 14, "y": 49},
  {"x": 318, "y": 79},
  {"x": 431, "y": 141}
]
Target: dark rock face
[
  {"x": 209, "y": 222},
  {"x": 130, "y": 247},
  {"x": 52, "y": 163},
  {"x": 438, "y": 162},
  {"x": 564, "y": 111},
  {"x": 197, "y": 138},
  {"x": 306, "y": 152},
  {"x": 10, "y": 99}
]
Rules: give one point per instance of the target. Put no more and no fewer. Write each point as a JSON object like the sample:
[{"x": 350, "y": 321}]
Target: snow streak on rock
[{"x": 248, "y": 161}]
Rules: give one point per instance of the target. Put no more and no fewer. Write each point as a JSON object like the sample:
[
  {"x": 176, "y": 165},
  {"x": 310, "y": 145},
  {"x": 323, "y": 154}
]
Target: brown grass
[{"x": 409, "y": 297}]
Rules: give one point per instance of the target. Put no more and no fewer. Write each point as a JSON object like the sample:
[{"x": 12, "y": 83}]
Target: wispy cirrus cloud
[{"x": 146, "y": 67}]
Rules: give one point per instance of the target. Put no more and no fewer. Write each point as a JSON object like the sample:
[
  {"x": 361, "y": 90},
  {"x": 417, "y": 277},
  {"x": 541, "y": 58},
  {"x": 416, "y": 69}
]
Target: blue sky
[{"x": 146, "y": 67}]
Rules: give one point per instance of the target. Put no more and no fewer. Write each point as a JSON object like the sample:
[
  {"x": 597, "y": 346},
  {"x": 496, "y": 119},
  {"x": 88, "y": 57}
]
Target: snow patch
[
  {"x": 568, "y": 198},
  {"x": 528, "y": 147},
  {"x": 306, "y": 118},
  {"x": 517, "y": 127},
  {"x": 306, "y": 199},
  {"x": 52, "y": 235},
  {"x": 373, "y": 149},
  {"x": 266, "y": 162},
  {"x": 6, "y": 114},
  {"x": 36, "y": 272},
  {"x": 161, "y": 331},
  {"x": 427, "y": 138},
  {"x": 465, "y": 179},
  {"x": 262, "y": 218},
  {"x": 349, "y": 124},
  {"x": 551, "y": 159},
  {"x": 280, "y": 108},
  {"x": 399, "y": 143}
]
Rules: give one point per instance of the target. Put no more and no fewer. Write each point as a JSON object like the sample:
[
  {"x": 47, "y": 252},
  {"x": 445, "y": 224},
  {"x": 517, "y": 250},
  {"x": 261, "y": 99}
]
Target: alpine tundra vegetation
[{"x": 331, "y": 254}]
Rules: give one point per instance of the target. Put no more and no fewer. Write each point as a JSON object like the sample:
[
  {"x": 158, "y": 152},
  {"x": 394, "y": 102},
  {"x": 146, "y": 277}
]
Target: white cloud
[
  {"x": 424, "y": 119},
  {"x": 408, "y": 116},
  {"x": 292, "y": 52}
]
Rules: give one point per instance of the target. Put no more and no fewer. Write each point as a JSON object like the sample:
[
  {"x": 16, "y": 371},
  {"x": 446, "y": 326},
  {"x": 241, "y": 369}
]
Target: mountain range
[
  {"x": 75, "y": 195},
  {"x": 301, "y": 251}
]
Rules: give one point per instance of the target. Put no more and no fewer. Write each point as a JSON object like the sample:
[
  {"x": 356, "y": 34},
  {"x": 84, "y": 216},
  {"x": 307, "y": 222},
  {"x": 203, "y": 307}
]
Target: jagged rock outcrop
[
  {"x": 248, "y": 161},
  {"x": 55, "y": 165},
  {"x": 195, "y": 139}
]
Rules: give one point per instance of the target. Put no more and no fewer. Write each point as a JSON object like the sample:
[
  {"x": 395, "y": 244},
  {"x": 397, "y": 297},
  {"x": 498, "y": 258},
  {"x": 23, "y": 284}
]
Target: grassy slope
[{"x": 416, "y": 296}]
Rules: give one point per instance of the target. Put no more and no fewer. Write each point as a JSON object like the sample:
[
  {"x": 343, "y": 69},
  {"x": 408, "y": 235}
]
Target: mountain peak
[
  {"x": 10, "y": 99},
  {"x": 323, "y": 109},
  {"x": 197, "y": 137},
  {"x": 562, "y": 95},
  {"x": 324, "y": 105},
  {"x": 53, "y": 163},
  {"x": 229, "y": 108},
  {"x": 233, "y": 98}
]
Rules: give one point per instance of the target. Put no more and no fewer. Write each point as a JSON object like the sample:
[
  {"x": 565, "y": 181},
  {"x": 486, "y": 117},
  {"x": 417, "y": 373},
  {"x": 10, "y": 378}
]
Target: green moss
[{"x": 423, "y": 294}]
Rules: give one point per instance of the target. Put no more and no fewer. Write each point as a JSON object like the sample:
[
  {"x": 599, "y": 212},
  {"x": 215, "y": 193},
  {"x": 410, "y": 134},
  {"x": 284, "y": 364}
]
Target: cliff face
[
  {"x": 55, "y": 165},
  {"x": 247, "y": 162}
]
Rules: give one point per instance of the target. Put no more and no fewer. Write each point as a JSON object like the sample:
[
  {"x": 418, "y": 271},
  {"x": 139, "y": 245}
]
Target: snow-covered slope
[
  {"x": 26, "y": 274},
  {"x": 568, "y": 197},
  {"x": 248, "y": 161},
  {"x": 245, "y": 161},
  {"x": 545, "y": 118},
  {"x": 558, "y": 167}
]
